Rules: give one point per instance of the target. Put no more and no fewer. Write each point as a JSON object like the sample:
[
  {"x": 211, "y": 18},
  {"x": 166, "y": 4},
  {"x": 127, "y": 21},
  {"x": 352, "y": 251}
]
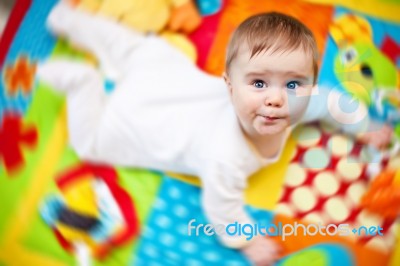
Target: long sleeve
[
  {"x": 223, "y": 200},
  {"x": 338, "y": 109}
]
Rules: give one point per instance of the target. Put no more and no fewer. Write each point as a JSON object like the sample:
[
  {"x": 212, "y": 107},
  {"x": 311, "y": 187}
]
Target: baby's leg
[
  {"x": 86, "y": 100},
  {"x": 109, "y": 41}
]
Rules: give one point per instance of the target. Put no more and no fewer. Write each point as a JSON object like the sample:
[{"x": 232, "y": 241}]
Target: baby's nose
[{"x": 274, "y": 98}]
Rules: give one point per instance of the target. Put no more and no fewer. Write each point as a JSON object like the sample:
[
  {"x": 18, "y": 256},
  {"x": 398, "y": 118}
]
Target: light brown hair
[{"x": 272, "y": 31}]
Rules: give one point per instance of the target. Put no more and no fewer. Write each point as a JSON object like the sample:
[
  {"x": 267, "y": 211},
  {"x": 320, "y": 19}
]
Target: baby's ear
[{"x": 227, "y": 81}]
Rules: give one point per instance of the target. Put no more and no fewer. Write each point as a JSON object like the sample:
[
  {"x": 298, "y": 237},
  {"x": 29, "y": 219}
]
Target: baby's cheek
[{"x": 246, "y": 104}]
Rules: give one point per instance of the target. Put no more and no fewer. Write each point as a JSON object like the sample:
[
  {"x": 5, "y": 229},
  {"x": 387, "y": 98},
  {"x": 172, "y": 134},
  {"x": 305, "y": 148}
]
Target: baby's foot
[
  {"x": 93, "y": 34},
  {"x": 60, "y": 18},
  {"x": 65, "y": 75}
]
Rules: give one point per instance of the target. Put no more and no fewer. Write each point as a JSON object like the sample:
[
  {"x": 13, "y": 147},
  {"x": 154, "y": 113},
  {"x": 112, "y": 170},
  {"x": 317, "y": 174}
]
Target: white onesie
[{"x": 164, "y": 113}]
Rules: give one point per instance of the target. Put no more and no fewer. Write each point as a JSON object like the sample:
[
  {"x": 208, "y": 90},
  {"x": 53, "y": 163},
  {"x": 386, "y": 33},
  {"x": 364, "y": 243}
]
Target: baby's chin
[{"x": 271, "y": 130}]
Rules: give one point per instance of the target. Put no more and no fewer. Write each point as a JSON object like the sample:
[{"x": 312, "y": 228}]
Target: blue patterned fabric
[
  {"x": 33, "y": 40},
  {"x": 165, "y": 239}
]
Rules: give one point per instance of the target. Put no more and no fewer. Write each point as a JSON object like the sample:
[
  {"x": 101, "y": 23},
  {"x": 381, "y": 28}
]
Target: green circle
[
  {"x": 307, "y": 257},
  {"x": 316, "y": 158}
]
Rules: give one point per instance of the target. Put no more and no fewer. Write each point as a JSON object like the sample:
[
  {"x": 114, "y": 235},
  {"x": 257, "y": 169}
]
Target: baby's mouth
[{"x": 271, "y": 118}]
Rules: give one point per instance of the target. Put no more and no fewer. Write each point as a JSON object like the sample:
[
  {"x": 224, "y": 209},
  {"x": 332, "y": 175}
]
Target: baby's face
[{"x": 271, "y": 90}]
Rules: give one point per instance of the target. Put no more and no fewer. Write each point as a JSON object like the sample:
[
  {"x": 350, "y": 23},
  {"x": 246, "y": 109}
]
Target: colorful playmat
[{"x": 140, "y": 216}]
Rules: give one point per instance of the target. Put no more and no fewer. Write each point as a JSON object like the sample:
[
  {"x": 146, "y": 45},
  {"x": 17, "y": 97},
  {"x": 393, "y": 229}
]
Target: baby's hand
[
  {"x": 262, "y": 251},
  {"x": 379, "y": 138}
]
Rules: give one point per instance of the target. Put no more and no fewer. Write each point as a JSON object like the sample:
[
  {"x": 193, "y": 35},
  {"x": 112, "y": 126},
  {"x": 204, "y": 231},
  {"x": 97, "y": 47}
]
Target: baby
[{"x": 166, "y": 114}]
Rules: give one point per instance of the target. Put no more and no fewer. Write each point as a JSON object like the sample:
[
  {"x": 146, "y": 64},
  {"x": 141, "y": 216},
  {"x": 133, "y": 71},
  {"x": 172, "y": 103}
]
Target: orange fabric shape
[
  {"x": 383, "y": 196},
  {"x": 20, "y": 76}
]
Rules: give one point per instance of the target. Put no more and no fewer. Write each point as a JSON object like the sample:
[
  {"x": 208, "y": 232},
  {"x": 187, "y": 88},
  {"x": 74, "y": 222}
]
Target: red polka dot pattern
[{"x": 330, "y": 190}]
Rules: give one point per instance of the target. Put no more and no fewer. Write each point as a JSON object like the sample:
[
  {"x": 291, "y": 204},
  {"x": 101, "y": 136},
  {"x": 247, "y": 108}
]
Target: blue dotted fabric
[
  {"x": 33, "y": 40},
  {"x": 165, "y": 239}
]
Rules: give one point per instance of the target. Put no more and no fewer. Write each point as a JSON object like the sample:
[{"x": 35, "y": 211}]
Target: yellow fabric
[
  {"x": 141, "y": 15},
  {"x": 182, "y": 43},
  {"x": 177, "y": 3},
  {"x": 347, "y": 28},
  {"x": 396, "y": 254},
  {"x": 149, "y": 15},
  {"x": 89, "y": 5},
  {"x": 396, "y": 181},
  {"x": 115, "y": 8},
  {"x": 395, "y": 261},
  {"x": 383, "y": 9},
  {"x": 17, "y": 255},
  {"x": 81, "y": 198}
]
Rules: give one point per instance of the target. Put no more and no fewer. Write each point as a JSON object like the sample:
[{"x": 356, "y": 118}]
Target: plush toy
[
  {"x": 366, "y": 71},
  {"x": 148, "y": 15},
  {"x": 169, "y": 18}
]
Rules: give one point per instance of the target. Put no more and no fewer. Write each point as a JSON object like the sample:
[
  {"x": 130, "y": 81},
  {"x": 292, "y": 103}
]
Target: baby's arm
[
  {"x": 223, "y": 203},
  {"x": 351, "y": 116}
]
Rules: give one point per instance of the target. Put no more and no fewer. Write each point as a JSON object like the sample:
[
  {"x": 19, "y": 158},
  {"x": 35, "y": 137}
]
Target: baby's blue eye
[
  {"x": 292, "y": 85},
  {"x": 259, "y": 84}
]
